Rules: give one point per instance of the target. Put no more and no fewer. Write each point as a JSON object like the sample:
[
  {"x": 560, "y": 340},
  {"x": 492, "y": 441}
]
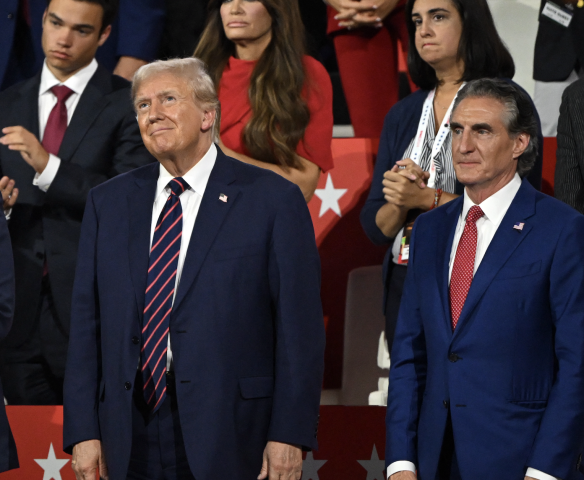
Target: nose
[
  {"x": 465, "y": 142},
  {"x": 65, "y": 37},
  {"x": 424, "y": 29},
  {"x": 155, "y": 112},
  {"x": 236, "y": 7}
]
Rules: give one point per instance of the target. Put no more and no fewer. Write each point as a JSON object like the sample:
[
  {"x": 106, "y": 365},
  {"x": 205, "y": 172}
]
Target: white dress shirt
[
  {"x": 494, "y": 208},
  {"x": 47, "y": 100},
  {"x": 190, "y": 201}
]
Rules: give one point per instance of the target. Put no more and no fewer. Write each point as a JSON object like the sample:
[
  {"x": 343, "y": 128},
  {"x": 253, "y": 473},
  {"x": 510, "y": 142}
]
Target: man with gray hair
[
  {"x": 197, "y": 335},
  {"x": 487, "y": 374}
]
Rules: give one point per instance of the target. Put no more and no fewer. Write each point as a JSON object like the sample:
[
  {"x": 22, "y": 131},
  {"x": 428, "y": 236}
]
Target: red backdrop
[{"x": 347, "y": 437}]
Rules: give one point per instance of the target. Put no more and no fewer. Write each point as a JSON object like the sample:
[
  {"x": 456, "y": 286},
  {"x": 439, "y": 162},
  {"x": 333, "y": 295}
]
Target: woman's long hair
[
  {"x": 481, "y": 48},
  {"x": 279, "y": 113}
]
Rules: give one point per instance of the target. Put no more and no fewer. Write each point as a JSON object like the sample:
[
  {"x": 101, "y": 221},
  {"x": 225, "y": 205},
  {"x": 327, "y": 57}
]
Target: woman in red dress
[{"x": 276, "y": 102}]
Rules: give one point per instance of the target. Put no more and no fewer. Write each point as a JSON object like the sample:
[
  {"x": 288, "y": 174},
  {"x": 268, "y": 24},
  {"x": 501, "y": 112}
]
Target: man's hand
[
  {"x": 9, "y": 193},
  {"x": 127, "y": 67},
  {"x": 281, "y": 462},
  {"x": 21, "y": 140},
  {"x": 405, "y": 475},
  {"x": 87, "y": 459}
]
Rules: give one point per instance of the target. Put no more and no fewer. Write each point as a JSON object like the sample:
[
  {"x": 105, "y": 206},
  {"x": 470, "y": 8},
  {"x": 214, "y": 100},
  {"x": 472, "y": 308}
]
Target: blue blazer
[
  {"x": 512, "y": 373},
  {"x": 246, "y": 328},
  {"x": 400, "y": 126},
  {"x": 8, "y": 454}
]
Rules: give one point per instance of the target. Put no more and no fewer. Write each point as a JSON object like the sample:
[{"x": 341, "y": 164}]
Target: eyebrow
[
  {"x": 431, "y": 11},
  {"x": 77, "y": 26},
  {"x": 475, "y": 127}
]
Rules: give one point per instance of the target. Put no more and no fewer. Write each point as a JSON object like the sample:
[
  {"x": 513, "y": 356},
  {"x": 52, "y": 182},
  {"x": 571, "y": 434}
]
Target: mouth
[
  {"x": 237, "y": 24},
  {"x": 61, "y": 55},
  {"x": 158, "y": 130}
]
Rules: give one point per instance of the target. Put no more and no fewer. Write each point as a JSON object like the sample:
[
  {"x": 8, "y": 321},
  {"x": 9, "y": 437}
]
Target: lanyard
[{"x": 440, "y": 136}]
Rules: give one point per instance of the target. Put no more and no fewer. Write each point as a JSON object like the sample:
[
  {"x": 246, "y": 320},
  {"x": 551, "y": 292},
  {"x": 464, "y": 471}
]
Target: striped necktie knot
[{"x": 178, "y": 186}]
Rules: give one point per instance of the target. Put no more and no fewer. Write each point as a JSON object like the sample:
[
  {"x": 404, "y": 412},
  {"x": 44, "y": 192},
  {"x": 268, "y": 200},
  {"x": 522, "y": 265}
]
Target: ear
[
  {"x": 520, "y": 143},
  {"x": 104, "y": 35},
  {"x": 45, "y": 16},
  {"x": 208, "y": 120}
]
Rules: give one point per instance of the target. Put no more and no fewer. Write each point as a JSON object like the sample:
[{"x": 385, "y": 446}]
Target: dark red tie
[
  {"x": 159, "y": 295},
  {"x": 57, "y": 123},
  {"x": 463, "y": 268}
]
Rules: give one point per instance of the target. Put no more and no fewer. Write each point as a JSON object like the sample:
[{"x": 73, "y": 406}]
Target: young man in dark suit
[{"x": 64, "y": 131}]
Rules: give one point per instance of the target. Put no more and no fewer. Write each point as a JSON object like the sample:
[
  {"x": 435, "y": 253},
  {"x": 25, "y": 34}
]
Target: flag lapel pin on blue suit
[
  {"x": 519, "y": 226},
  {"x": 223, "y": 198}
]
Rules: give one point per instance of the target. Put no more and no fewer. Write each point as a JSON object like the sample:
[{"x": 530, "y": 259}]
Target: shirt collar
[
  {"x": 197, "y": 177},
  {"x": 495, "y": 207},
  {"x": 77, "y": 82}
]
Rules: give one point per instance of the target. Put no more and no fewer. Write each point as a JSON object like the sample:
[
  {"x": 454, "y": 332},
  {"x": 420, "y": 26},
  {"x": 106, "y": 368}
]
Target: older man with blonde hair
[{"x": 197, "y": 334}]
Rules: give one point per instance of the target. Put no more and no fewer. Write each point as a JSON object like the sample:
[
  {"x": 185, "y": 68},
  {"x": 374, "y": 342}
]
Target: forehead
[
  {"x": 159, "y": 83},
  {"x": 473, "y": 110},
  {"x": 422, "y": 6},
  {"x": 77, "y": 12}
]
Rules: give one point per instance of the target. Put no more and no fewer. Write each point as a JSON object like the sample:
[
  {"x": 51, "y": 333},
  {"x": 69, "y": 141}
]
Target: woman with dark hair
[
  {"x": 276, "y": 102},
  {"x": 451, "y": 42}
]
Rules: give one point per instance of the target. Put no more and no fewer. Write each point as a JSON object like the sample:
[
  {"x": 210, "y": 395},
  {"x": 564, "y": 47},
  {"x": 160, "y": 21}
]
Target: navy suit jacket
[
  {"x": 8, "y": 455},
  {"x": 512, "y": 373},
  {"x": 101, "y": 141},
  {"x": 246, "y": 328}
]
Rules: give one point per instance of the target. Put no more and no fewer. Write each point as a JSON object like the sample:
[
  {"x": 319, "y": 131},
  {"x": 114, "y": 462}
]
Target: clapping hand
[{"x": 9, "y": 193}]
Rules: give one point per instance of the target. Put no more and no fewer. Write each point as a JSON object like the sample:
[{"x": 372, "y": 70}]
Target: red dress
[{"x": 318, "y": 94}]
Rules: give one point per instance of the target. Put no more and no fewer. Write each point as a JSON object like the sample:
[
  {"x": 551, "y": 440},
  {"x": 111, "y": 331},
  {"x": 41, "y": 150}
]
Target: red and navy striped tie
[{"x": 159, "y": 295}]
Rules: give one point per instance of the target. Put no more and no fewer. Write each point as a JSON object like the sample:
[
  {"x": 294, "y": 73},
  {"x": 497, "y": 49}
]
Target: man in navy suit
[
  {"x": 197, "y": 336},
  {"x": 487, "y": 375}
]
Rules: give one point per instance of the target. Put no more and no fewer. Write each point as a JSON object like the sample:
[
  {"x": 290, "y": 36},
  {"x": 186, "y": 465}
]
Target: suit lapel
[
  {"x": 210, "y": 217},
  {"x": 443, "y": 249},
  {"x": 27, "y": 113},
  {"x": 504, "y": 243},
  {"x": 140, "y": 202},
  {"x": 91, "y": 104}
]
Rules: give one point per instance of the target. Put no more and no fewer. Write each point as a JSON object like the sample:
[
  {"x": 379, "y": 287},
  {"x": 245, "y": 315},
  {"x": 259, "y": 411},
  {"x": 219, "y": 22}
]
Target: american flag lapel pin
[
  {"x": 519, "y": 226},
  {"x": 223, "y": 198}
]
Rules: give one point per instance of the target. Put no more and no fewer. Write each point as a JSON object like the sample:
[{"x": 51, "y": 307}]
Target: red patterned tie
[
  {"x": 57, "y": 123},
  {"x": 463, "y": 269},
  {"x": 159, "y": 295}
]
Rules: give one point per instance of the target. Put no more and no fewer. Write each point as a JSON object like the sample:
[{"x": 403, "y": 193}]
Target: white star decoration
[
  {"x": 52, "y": 465},
  {"x": 330, "y": 197},
  {"x": 375, "y": 467},
  {"x": 310, "y": 467}
]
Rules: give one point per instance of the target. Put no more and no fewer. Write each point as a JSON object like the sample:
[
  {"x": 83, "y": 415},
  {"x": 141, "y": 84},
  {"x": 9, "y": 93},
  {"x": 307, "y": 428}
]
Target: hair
[
  {"x": 194, "y": 72},
  {"x": 279, "y": 113},
  {"x": 481, "y": 48},
  {"x": 520, "y": 115},
  {"x": 110, "y": 10}
]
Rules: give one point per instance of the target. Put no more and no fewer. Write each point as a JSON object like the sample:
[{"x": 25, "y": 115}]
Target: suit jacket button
[
  {"x": 445, "y": 403},
  {"x": 453, "y": 357},
  {"x": 135, "y": 340},
  {"x": 127, "y": 385}
]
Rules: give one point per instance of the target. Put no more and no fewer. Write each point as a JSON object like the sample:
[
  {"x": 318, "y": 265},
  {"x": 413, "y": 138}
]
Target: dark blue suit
[
  {"x": 8, "y": 455},
  {"x": 512, "y": 373},
  {"x": 246, "y": 329}
]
